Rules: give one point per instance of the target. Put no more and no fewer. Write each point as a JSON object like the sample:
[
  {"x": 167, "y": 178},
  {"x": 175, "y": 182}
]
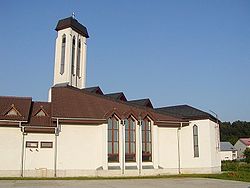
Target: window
[
  {"x": 130, "y": 130},
  {"x": 73, "y": 56},
  {"x": 78, "y": 61},
  {"x": 63, "y": 54},
  {"x": 31, "y": 144},
  {"x": 12, "y": 112},
  {"x": 113, "y": 139},
  {"x": 146, "y": 140},
  {"x": 40, "y": 113},
  {"x": 46, "y": 144},
  {"x": 195, "y": 139}
]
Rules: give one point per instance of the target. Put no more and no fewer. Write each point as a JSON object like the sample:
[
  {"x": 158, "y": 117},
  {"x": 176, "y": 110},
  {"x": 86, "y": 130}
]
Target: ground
[{"x": 127, "y": 183}]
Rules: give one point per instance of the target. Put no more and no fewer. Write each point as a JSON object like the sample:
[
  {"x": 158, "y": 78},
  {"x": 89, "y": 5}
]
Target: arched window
[
  {"x": 130, "y": 129},
  {"x": 195, "y": 139},
  {"x": 78, "y": 61},
  {"x": 63, "y": 54},
  {"x": 146, "y": 140},
  {"x": 73, "y": 55},
  {"x": 113, "y": 139}
]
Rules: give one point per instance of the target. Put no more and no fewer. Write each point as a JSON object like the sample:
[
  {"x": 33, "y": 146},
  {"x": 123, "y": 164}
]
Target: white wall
[
  {"x": 215, "y": 144},
  {"x": 240, "y": 149},
  {"x": 228, "y": 155},
  {"x": 168, "y": 148},
  {"x": 209, "y": 157},
  {"x": 10, "y": 151},
  {"x": 66, "y": 76},
  {"x": 39, "y": 160},
  {"x": 80, "y": 147}
]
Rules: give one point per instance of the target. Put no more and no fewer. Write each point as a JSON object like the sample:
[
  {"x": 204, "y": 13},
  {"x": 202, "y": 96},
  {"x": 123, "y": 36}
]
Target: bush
[
  {"x": 235, "y": 166},
  {"x": 247, "y": 155}
]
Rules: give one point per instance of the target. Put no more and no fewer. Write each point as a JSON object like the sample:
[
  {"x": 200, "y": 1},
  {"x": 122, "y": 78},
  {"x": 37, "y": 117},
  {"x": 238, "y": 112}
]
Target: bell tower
[{"x": 70, "y": 53}]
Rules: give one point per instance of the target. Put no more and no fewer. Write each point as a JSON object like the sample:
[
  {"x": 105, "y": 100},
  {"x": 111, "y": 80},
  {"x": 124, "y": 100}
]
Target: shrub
[{"x": 247, "y": 155}]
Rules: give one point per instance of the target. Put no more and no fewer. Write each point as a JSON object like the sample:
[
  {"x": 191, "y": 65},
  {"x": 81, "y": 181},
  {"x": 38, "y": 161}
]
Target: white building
[
  {"x": 227, "y": 151},
  {"x": 83, "y": 132},
  {"x": 241, "y": 146}
]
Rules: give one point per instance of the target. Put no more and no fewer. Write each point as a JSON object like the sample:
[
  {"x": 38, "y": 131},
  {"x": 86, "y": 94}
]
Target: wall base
[{"x": 107, "y": 173}]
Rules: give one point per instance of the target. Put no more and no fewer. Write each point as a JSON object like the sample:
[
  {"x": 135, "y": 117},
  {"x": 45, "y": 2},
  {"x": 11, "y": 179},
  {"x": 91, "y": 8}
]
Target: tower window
[
  {"x": 78, "y": 63},
  {"x": 73, "y": 56},
  {"x": 146, "y": 140},
  {"x": 63, "y": 54},
  {"x": 195, "y": 139},
  {"x": 130, "y": 130},
  {"x": 113, "y": 139}
]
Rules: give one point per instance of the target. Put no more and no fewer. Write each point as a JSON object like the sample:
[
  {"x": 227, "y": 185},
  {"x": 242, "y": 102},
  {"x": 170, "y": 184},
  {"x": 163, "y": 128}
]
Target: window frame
[
  {"x": 78, "y": 58},
  {"x": 130, "y": 130},
  {"x": 31, "y": 142},
  {"x": 73, "y": 56},
  {"x": 114, "y": 130},
  {"x": 196, "y": 141},
  {"x": 46, "y": 142},
  {"x": 63, "y": 53},
  {"x": 146, "y": 131}
]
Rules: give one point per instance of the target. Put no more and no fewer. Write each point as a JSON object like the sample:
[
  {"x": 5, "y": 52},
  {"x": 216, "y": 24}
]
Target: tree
[
  {"x": 247, "y": 155},
  {"x": 231, "y": 132}
]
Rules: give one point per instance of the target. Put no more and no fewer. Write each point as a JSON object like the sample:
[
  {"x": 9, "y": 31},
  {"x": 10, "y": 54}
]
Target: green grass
[{"x": 236, "y": 171}]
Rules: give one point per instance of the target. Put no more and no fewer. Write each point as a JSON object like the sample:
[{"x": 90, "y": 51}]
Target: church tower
[{"x": 70, "y": 53}]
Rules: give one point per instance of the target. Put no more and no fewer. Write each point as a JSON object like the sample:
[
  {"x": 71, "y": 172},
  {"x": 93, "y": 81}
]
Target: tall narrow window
[
  {"x": 78, "y": 61},
  {"x": 63, "y": 54},
  {"x": 195, "y": 139},
  {"x": 113, "y": 139},
  {"x": 130, "y": 127},
  {"x": 146, "y": 140},
  {"x": 73, "y": 56}
]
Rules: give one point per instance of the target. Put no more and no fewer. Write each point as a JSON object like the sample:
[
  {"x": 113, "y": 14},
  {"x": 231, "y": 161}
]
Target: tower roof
[{"x": 74, "y": 24}]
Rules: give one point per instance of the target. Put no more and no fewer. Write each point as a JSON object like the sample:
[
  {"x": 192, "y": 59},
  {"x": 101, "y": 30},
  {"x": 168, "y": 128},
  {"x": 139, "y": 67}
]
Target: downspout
[
  {"x": 22, "y": 152},
  {"x": 179, "y": 151},
  {"x": 55, "y": 155},
  {"x": 140, "y": 146},
  {"x": 123, "y": 146}
]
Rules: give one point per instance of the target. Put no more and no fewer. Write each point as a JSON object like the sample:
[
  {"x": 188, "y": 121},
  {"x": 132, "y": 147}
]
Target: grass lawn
[{"x": 237, "y": 171}]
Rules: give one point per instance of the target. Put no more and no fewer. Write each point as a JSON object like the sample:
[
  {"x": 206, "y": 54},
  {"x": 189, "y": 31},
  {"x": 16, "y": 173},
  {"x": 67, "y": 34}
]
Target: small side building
[
  {"x": 241, "y": 146},
  {"x": 227, "y": 151}
]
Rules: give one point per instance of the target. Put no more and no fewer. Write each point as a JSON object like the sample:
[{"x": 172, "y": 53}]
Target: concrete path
[{"x": 129, "y": 183}]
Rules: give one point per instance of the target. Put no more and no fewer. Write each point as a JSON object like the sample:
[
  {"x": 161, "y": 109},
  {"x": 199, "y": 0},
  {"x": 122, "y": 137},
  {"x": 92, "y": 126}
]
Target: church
[{"x": 83, "y": 132}]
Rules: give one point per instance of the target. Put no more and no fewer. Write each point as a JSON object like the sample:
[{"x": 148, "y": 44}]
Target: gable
[
  {"x": 40, "y": 113},
  {"x": 13, "y": 111}
]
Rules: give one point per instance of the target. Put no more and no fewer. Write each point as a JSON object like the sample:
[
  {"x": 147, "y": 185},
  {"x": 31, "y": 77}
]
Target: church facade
[{"x": 83, "y": 132}]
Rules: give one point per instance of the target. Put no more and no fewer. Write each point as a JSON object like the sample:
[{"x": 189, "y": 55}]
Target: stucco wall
[
  {"x": 80, "y": 147},
  {"x": 10, "y": 151},
  {"x": 168, "y": 148},
  {"x": 39, "y": 161},
  {"x": 228, "y": 155},
  {"x": 66, "y": 76},
  {"x": 209, "y": 156},
  {"x": 240, "y": 149}
]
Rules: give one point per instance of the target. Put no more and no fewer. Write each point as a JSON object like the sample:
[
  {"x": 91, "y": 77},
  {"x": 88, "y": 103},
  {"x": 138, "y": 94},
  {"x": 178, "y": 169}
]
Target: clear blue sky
[{"x": 174, "y": 52}]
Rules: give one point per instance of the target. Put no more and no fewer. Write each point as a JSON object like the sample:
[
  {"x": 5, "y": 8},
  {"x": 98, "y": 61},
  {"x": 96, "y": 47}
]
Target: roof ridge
[
  {"x": 139, "y": 99},
  {"x": 148, "y": 109}
]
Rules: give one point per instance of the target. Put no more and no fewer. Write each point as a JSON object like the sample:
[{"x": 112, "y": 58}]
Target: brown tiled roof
[
  {"x": 74, "y": 24},
  {"x": 69, "y": 102},
  {"x": 142, "y": 102},
  {"x": 117, "y": 96},
  {"x": 21, "y": 104},
  {"x": 72, "y": 105},
  {"x": 96, "y": 90},
  {"x": 186, "y": 112},
  {"x": 44, "y": 121}
]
